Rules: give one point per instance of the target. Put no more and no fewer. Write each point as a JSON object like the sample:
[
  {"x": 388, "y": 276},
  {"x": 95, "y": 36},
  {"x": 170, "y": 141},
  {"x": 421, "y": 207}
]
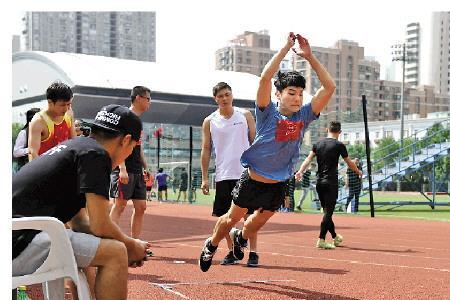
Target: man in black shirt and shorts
[
  {"x": 328, "y": 151},
  {"x": 69, "y": 179},
  {"x": 127, "y": 181}
]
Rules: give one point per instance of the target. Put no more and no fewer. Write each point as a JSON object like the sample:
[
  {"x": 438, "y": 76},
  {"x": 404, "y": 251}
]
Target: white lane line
[
  {"x": 169, "y": 286},
  {"x": 380, "y": 251},
  {"x": 339, "y": 260}
]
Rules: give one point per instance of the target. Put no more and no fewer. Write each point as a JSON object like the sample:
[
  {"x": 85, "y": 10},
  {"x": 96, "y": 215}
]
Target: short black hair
[
  {"x": 289, "y": 78},
  {"x": 59, "y": 91},
  {"x": 334, "y": 127},
  {"x": 138, "y": 90},
  {"x": 220, "y": 86},
  {"x": 160, "y": 170}
]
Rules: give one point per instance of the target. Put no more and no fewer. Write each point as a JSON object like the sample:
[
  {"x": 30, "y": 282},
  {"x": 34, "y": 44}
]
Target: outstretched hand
[{"x": 304, "y": 49}]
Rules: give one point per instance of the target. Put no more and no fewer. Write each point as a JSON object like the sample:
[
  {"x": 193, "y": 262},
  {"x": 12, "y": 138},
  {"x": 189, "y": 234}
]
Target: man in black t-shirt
[
  {"x": 328, "y": 151},
  {"x": 66, "y": 181},
  {"x": 127, "y": 181}
]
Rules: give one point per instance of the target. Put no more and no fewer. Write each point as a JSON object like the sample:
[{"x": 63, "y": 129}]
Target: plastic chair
[{"x": 59, "y": 264}]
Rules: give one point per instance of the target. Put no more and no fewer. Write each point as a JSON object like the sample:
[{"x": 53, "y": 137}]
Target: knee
[
  {"x": 140, "y": 208},
  {"x": 117, "y": 253},
  {"x": 120, "y": 205}
]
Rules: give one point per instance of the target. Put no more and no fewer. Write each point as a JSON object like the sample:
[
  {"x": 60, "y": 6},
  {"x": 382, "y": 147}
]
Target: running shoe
[
  {"x": 206, "y": 256},
  {"x": 238, "y": 248}
]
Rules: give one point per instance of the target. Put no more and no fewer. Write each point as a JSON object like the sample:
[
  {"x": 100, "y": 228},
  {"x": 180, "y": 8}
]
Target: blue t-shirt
[
  {"x": 161, "y": 178},
  {"x": 276, "y": 148}
]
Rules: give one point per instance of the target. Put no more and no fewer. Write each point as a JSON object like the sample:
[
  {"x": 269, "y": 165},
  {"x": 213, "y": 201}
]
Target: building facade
[
  {"x": 128, "y": 35},
  {"x": 413, "y": 43},
  {"x": 356, "y": 75},
  {"x": 440, "y": 52},
  {"x": 248, "y": 52}
]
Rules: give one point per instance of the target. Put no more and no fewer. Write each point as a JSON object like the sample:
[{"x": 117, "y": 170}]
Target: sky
[{"x": 190, "y": 31}]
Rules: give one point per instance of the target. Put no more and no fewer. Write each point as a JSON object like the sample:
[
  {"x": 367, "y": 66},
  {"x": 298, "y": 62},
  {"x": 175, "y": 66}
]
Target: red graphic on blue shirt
[{"x": 288, "y": 130}]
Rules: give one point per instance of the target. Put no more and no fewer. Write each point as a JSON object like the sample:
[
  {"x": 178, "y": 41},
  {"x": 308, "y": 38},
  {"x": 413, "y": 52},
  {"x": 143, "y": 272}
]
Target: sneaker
[
  {"x": 238, "y": 250},
  {"x": 206, "y": 256},
  {"x": 252, "y": 260},
  {"x": 229, "y": 259},
  {"x": 338, "y": 240},
  {"x": 324, "y": 245}
]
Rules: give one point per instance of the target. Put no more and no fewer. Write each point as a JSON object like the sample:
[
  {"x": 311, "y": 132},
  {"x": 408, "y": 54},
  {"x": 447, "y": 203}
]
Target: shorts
[
  {"x": 33, "y": 256},
  {"x": 224, "y": 196},
  {"x": 135, "y": 188},
  {"x": 183, "y": 187},
  {"x": 162, "y": 188},
  {"x": 252, "y": 194},
  {"x": 148, "y": 188}
]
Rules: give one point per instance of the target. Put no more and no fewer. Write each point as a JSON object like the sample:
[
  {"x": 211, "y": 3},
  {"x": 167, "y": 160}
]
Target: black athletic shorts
[
  {"x": 183, "y": 187},
  {"x": 252, "y": 194},
  {"x": 135, "y": 189},
  {"x": 162, "y": 188},
  {"x": 222, "y": 200}
]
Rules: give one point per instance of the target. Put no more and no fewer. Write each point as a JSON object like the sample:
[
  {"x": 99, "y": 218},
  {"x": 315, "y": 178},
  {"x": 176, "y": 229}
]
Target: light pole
[{"x": 399, "y": 54}]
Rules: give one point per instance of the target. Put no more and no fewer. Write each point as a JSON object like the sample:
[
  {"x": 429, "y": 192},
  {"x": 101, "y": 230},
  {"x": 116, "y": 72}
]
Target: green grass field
[{"x": 439, "y": 213}]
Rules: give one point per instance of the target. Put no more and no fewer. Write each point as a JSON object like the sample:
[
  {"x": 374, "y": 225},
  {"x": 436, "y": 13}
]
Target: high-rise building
[
  {"x": 440, "y": 52},
  {"x": 15, "y": 43},
  {"x": 248, "y": 53},
  {"x": 356, "y": 75},
  {"x": 128, "y": 35},
  {"x": 412, "y": 64}
]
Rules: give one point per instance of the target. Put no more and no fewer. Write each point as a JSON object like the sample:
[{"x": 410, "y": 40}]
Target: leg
[
  {"x": 253, "y": 240},
  {"x": 137, "y": 217},
  {"x": 111, "y": 259},
  {"x": 226, "y": 222},
  {"x": 304, "y": 193},
  {"x": 255, "y": 222},
  {"x": 117, "y": 209}
]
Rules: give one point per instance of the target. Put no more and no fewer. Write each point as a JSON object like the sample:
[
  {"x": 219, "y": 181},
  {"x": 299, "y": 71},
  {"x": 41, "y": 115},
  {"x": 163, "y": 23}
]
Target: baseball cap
[{"x": 118, "y": 118}]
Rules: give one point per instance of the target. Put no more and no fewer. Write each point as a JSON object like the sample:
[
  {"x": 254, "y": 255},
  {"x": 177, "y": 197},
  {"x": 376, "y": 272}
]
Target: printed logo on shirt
[
  {"x": 55, "y": 149},
  {"x": 288, "y": 130},
  {"x": 237, "y": 123}
]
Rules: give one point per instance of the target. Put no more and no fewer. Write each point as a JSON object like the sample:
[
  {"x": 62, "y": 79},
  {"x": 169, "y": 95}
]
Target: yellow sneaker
[
  {"x": 324, "y": 245},
  {"x": 338, "y": 240}
]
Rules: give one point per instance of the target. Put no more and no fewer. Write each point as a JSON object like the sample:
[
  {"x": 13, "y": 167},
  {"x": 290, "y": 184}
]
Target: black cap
[{"x": 119, "y": 118}]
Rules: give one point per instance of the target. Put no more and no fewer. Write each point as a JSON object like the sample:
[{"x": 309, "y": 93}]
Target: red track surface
[{"x": 380, "y": 259}]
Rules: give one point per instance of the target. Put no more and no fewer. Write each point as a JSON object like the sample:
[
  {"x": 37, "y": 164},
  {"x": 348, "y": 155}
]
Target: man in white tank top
[{"x": 228, "y": 131}]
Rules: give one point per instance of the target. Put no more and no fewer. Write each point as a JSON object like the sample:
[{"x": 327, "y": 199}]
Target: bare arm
[
  {"x": 73, "y": 132},
  {"x": 205, "y": 155},
  {"x": 324, "y": 93},
  {"x": 353, "y": 166},
  {"x": 251, "y": 126},
  {"x": 305, "y": 164},
  {"x": 34, "y": 137},
  {"x": 101, "y": 225},
  {"x": 265, "y": 81},
  {"x": 144, "y": 161}
]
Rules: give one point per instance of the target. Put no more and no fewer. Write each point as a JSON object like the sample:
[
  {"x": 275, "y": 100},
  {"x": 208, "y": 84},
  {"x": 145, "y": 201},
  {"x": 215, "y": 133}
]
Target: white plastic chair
[{"x": 60, "y": 262}]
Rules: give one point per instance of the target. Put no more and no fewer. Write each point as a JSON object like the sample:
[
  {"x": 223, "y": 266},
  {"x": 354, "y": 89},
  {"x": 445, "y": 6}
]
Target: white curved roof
[{"x": 33, "y": 71}]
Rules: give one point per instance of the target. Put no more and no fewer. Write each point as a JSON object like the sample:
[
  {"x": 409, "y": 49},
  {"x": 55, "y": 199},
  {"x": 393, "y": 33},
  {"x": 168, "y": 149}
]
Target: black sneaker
[
  {"x": 252, "y": 260},
  {"x": 229, "y": 259},
  {"x": 238, "y": 248},
  {"x": 206, "y": 256}
]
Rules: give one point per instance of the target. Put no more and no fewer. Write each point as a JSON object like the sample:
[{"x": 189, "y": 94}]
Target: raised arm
[
  {"x": 324, "y": 93},
  {"x": 205, "y": 155},
  {"x": 265, "y": 81}
]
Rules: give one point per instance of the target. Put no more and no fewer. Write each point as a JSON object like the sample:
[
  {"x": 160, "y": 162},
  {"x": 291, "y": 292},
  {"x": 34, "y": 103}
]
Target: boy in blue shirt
[{"x": 272, "y": 157}]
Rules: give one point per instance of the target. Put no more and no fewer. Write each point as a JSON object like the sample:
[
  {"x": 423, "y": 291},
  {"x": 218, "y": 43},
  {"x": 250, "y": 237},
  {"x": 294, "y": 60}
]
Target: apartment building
[
  {"x": 128, "y": 35},
  {"x": 248, "y": 52}
]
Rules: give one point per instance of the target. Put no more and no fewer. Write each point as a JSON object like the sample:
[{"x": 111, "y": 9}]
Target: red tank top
[{"x": 57, "y": 132}]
